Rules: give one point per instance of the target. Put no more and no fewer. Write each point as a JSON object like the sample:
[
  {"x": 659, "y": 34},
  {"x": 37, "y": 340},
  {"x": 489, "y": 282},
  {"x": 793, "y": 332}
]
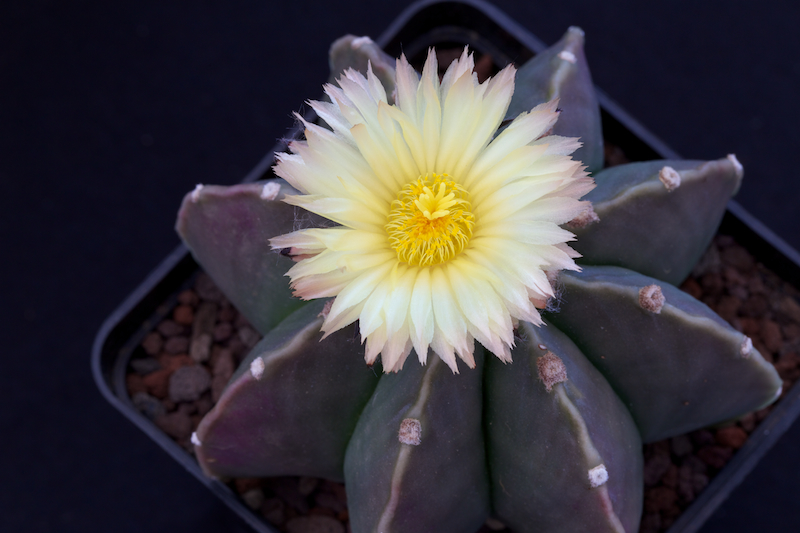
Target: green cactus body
[
  {"x": 418, "y": 438},
  {"x": 286, "y": 411},
  {"x": 563, "y": 451},
  {"x": 360, "y": 53},
  {"x": 410, "y": 445},
  {"x": 228, "y": 231},
  {"x": 562, "y": 72},
  {"x": 672, "y": 360},
  {"x": 657, "y": 217}
]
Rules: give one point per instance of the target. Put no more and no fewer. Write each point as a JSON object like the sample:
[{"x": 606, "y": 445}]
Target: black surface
[{"x": 111, "y": 111}]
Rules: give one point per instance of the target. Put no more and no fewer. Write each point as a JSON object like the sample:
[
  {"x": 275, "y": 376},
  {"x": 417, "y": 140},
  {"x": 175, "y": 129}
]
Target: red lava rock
[
  {"x": 169, "y": 328},
  {"x": 222, "y": 372},
  {"x": 791, "y": 331},
  {"x": 739, "y": 258},
  {"x": 188, "y": 297},
  {"x": 183, "y": 314},
  {"x": 157, "y": 382},
  {"x": 702, "y": 437},
  {"x": 177, "y": 425},
  {"x": 691, "y": 287},
  {"x": 135, "y": 383},
  {"x": 187, "y": 383},
  {"x": 715, "y": 456},
  {"x": 176, "y": 345},
  {"x": 771, "y": 335},
  {"x": 314, "y": 524},
  {"x": 174, "y": 362},
  {"x": 749, "y": 326},
  {"x": 788, "y": 366},
  {"x": 152, "y": 343},
  {"x": 755, "y": 306},
  {"x": 789, "y": 308},
  {"x": 731, "y": 437},
  {"x": 659, "y": 498},
  {"x": 712, "y": 283},
  {"x": 222, "y": 331},
  {"x": 728, "y": 306}
]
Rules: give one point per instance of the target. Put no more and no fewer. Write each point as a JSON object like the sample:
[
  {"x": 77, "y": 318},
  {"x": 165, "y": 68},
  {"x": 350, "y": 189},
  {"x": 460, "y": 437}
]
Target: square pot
[{"x": 488, "y": 31}]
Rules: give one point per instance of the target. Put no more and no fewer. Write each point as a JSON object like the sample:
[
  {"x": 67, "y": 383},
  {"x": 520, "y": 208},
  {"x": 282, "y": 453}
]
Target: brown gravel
[{"x": 727, "y": 279}]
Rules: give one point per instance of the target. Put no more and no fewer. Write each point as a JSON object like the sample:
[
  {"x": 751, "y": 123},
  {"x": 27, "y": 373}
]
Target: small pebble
[
  {"x": 152, "y": 343},
  {"x": 222, "y": 372},
  {"x": 254, "y": 498},
  {"x": 187, "y": 383},
  {"x": 145, "y": 365},
  {"x": 731, "y": 437},
  {"x": 188, "y": 297},
  {"x": 149, "y": 406},
  {"x": 177, "y": 425},
  {"x": 169, "y": 328},
  {"x": 222, "y": 331},
  {"x": 771, "y": 335},
  {"x": 176, "y": 345},
  {"x": 184, "y": 315},
  {"x": 715, "y": 456},
  {"x": 157, "y": 382}
]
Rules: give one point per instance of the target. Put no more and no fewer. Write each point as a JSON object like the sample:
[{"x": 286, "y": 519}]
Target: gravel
[{"x": 175, "y": 389}]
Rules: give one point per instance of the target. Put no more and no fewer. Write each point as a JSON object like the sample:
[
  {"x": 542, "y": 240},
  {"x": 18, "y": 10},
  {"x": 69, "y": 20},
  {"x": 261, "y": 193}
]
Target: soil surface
[{"x": 182, "y": 366}]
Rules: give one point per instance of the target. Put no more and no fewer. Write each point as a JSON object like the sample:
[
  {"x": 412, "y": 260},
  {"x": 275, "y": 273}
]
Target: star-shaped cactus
[{"x": 549, "y": 442}]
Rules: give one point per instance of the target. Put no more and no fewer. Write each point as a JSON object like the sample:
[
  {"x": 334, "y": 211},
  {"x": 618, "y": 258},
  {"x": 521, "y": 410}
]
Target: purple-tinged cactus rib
[
  {"x": 562, "y": 72},
  {"x": 228, "y": 231},
  {"x": 564, "y": 454},
  {"x": 416, "y": 461},
  {"x": 357, "y": 53},
  {"x": 677, "y": 370},
  {"x": 657, "y": 217},
  {"x": 291, "y": 407}
]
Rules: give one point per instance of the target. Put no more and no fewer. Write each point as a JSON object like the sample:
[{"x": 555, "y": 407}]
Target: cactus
[{"x": 546, "y": 437}]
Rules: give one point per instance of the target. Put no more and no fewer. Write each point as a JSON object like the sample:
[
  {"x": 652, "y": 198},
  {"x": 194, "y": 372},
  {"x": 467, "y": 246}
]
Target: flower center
[{"x": 430, "y": 222}]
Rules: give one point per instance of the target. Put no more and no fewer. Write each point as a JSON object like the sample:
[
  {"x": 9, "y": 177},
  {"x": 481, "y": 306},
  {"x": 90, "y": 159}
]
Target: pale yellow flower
[{"x": 446, "y": 231}]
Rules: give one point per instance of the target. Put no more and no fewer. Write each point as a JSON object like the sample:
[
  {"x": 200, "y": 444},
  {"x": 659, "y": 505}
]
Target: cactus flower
[{"x": 446, "y": 229}]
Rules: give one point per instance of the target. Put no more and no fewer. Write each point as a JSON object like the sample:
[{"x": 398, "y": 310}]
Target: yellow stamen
[{"x": 430, "y": 222}]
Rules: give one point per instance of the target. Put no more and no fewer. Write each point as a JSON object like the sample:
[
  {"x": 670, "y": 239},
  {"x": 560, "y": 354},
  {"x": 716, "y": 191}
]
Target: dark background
[{"x": 111, "y": 111}]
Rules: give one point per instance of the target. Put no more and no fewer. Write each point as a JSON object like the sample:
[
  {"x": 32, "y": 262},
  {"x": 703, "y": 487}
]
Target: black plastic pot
[{"x": 487, "y": 30}]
